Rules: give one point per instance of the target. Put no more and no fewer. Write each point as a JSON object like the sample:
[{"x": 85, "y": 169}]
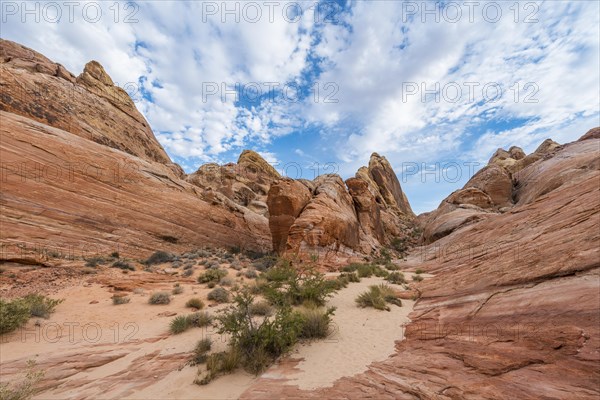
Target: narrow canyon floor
[{"x": 90, "y": 348}]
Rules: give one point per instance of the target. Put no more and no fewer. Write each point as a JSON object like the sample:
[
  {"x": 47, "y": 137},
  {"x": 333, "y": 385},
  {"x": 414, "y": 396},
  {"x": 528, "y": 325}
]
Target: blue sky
[{"x": 317, "y": 87}]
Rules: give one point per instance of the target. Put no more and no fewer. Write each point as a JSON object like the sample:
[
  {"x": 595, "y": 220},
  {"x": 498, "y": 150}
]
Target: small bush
[
  {"x": 188, "y": 272},
  {"x": 123, "y": 265},
  {"x": 264, "y": 263},
  {"x": 195, "y": 303},
  {"x": 219, "y": 295},
  {"x": 188, "y": 266},
  {"x": 315, "y": 322},
  {"x": 250, "y": 274},
  {"x": 94, "y": 262},
  {"x": 159, "y": 257},
  {"x": 377, "y": 297},
  {"x": 200, "y": 351},
  {"x": 200, "y": 319},
  {"x": 41, "y": 306},
  {"x": 176, "y": 264},
  {"x": 179, "y": 324},
  {"x": 160, "y": 298},
  {"x": 351, "y": 276},
  {"x": 178, "y": 289},
  {"x": 227, "y": 281},
  {"x": 211, "y": 284},
  {"x": 417, "y": 278},
  {"x": 237, "y": 265},
  {"x": 419, "y": 271},
  {"x": 212, "y": 275},
  {"x": 391, "y": 267},
  {"x": 396, "y": 278},
  {"x": 260, "y": 308},
  {"x": 114, "y": 254},
  {"x": 117, "y": 300},
  {"x": 211, "y": 264},
  {"x": 13, "y": 314}
]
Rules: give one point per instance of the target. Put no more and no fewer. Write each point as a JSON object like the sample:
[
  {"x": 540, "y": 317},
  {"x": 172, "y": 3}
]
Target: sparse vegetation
[
  {"x": 178, "y": 289},
  {"x": 159, "y": 257},
  {"x": 123, "y": 265},
  {"x": 219, "y": 295},
  {"x": 160, "y": 298},
  {"x": 200, "y": 319},
  {"x": 114, "y": 254},
  {"x": 419, "y": 271},
  {"x": 417, "y": 278},
  {"x": 179, "y": 324},
  {"x": 227, "y": 281},
  {"x": 212, "y": 275},
  {"x": 117, "y": 300},
  {"x": 377, "y": 297},
  {"x": 93, "y": 262},
  {"x": 260, "y": 308},
  {"x": 316, "y": 322},
  {"x": 200, "y": 351},
  {"x": 195, "y": 303},
  {"x": 396, "y": 278},
  {"x": 15, "y": 313},
  {"x": 350, "y": 276},
  {"x": 23, "y": 389},
  {"x": 188, "y": 272},
  {"x": 250, "y": 274}
]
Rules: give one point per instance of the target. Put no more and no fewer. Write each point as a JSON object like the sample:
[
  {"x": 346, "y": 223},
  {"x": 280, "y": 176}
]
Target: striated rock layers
[
  {"x": 82, "y": 172},
  {"x": 333, "y": 218},
  {"x": 494, "y": 189},
  {"x": 513, "y": 309}
]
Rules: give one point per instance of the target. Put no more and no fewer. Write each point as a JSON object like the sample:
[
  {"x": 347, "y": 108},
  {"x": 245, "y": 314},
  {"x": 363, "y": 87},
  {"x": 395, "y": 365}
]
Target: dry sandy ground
[{"x": 102, "y": 351}]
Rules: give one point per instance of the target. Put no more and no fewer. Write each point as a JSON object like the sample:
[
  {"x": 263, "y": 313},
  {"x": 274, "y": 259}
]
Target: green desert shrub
[
  {"x": 179, "y": 324},
  {"x": 396, "y": 278},
  {"x": 419, "y": 271},
  {"x": 250, "y": 274},
  {"x": 195, "y": 303},
  {"x": 25, "y": 387},
  {"x": 260, "y": 308},
  {"x": 201, "y": 350},
  {"x": 227, "y": 281},
  {"x": 114, "y": 254},
  {"x": 187, "y": 273},
  {"x": 316, "y": 322},
  {"x": 350, "y": 276},
  {"x": 123, "y": 265},
  {"x": 41, "y": 306},
  {"x": 417, "y": 278},
  {"x": 159, "y": 257},
  {"x": 377, "y": 297},
  {"x": 219, "y": 295},
  {"x": 264, "y": 263},
  {"x": 212, "y": 275},
  {"x": 288, "y": 285},
  {"x": 160, "y": 298},
  {"x": 200, "y": 319},
  {"x": 117, "y": 300},
  {"x": 95, "y": 261},
  {"x": 13, "y": 314},
  {"x": 177, "y": 289}
]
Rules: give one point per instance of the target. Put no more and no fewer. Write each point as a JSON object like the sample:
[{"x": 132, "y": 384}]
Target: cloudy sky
[{"x": 316, "y": 87}]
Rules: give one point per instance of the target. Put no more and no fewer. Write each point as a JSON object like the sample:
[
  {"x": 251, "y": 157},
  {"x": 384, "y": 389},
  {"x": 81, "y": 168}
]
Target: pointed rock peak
[
  {"x": 593, "y": 133},
  {"x": 95, "y": 71},
  {"x": 546, "y": 147},
  {"x": 252, "y": 159}
]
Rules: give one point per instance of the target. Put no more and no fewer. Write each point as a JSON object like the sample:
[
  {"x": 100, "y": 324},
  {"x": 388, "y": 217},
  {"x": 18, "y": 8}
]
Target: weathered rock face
[
  {"x": 495, "y": 188},
  {"x": 287, "y": 199},
  {"x": 82, "y": 172},
  {"x": 245, "y": 183},
  {"x": 89, "y": 106},
  {"x": 512, "y": 311},
  {"x": 338, "y": 219}
]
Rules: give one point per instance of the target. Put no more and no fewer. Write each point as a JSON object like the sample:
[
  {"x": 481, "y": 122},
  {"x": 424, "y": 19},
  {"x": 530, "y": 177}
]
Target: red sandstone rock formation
[{"x": 513, "y": 309}]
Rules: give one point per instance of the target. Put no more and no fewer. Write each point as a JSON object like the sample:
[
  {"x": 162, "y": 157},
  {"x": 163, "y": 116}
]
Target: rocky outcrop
[
  {"x": 495, "y": 188},
  {"x": 512, "y": 309},
  {"x": 337, "y": 218},
  {"x": 83, "y": 174},
  {"x": 89, "y": 106},
  {"x": 245, "y": 183}
]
